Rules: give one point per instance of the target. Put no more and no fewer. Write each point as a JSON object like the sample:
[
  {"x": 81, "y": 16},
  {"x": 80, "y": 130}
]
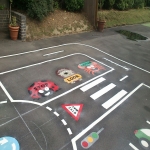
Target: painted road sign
[
  {"x": 9, "y": 143},
  {"x": 91, "y": 139},
  {"x": 73, "y": 78},
  {"x": 74, "y": 110}
]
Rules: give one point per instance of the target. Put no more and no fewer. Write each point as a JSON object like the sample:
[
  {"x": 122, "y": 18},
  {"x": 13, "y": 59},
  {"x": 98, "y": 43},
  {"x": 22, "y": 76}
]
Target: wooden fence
[{"x": 91, "y": 9}]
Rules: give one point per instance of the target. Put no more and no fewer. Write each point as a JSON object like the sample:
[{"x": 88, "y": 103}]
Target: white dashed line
[
  {"x": 56, "y": 113},
  {"x": 50, "y": 109},
  {"x": 123, "y": 78},
  {"x": 133, "y": 146},
  {"x": 69, "y": 131},
  {"x": 64, "y": 122},
  {"x": 54, "y": 53},
  {"x": 148, "y": 122},
  {"x": 3, "y": 102}
]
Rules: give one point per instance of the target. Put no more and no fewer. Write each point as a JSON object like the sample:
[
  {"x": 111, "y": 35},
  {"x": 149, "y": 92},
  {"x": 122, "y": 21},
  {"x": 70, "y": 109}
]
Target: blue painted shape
[{"x": 9, "y": 143}]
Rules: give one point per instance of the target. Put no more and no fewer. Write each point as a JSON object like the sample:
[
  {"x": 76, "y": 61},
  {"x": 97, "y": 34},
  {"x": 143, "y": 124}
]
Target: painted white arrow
[
  {"x": 3, "y": 141},
  {"x": 13, "y": 146}
]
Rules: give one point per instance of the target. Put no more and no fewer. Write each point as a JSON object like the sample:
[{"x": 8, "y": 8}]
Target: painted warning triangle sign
[{"x": 74, "y": 110}]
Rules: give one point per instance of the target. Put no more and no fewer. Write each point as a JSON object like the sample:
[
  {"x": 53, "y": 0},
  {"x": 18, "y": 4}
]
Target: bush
[
  {"x": 38, "y": 9},
  {"x": 138, "y": 3},
  {"x": 124, "y": 4},
  {"x": 74, "y": 5},
  {"x": 109, "y": 4},
  {"x": 120, "y": 4},
  {"x": 101, "y": 4}
]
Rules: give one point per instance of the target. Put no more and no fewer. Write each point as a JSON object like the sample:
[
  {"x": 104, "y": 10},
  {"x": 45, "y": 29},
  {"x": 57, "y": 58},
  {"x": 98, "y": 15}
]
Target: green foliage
[
  {"x": 138, "y": 3},
  {"x": 101, "y": 3},
  {"x": 74, "y": 5},
  {"x": 124, "y": 4},
  {"x": 109, "y": 4},
  {"x": 14, "y": 22},
  {"x": 2, "y": 7}
]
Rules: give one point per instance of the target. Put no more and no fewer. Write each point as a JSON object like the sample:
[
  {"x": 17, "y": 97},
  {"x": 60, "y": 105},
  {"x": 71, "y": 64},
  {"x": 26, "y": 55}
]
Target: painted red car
[{"x": 42, "y": 89}]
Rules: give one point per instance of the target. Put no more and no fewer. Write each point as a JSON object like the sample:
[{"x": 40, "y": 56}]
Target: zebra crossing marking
[
  {"x": 102, "y": 91},
  {"x": 114, "y": 99}
]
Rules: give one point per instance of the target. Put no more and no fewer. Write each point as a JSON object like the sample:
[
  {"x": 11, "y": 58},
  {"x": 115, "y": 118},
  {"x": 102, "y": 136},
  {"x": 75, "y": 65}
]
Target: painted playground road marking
[
  {"x": 68, "y": 44},
  {"x": 50, "y": 109},
  {"x": 114, "y": 99},
  {"x": 92, "y": 84},
  {"x": 64, "y": 122},
  {"x": 117, "y": 64},
  {"x": 148, "y": 122},
  {"x": 135, "y": 148},
  {"x": 69, "y": 131},
  {"x": 84, "y": 131},
  {"x": 55, "y": 113},
  {"x": 53, "y": 53},
  {"x": 102, "y": 91},
  {"x": 51, "y": 60},
  {"x": 3, "y": 102},
  {"x": 123, "y": 78}
]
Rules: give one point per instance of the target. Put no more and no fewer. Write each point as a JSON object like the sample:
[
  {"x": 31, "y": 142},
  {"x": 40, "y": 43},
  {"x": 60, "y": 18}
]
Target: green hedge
[
  {"x": 74, "y": 5},
  {"x": 36, "y": 9}
]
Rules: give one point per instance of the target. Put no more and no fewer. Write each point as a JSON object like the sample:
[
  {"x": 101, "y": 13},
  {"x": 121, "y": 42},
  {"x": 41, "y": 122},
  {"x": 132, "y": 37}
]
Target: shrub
[
  {"x": 109, "y": 4},
  {"x": 138, "y": 3},
  {"x": 120, "y": 4},
  {"x": 74, "y": 5},
  {"x": 38, "y": 9},
  {"x": 101, "y": 3}
]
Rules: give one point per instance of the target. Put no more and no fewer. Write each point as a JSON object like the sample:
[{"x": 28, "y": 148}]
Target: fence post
[{"x": 91, "y": 9}]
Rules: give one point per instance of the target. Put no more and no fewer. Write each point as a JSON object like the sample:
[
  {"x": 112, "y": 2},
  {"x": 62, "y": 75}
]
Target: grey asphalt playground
[{"x": 83, "y": 91}]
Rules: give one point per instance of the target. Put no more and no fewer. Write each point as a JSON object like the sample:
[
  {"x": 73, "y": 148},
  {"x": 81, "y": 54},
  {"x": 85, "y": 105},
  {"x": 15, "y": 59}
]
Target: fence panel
[{"x": 90, "y": 9}]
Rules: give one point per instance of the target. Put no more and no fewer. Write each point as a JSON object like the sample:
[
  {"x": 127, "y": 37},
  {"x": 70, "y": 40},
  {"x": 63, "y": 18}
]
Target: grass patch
[{"x": 133, "y": 16}]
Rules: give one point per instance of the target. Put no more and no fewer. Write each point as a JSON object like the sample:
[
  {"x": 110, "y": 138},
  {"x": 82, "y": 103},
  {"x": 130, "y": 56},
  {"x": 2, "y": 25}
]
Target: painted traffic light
[{"x": 90, "y": 139}]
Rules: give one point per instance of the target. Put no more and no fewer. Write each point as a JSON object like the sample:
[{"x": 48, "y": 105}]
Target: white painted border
[
  {"x": 56, "y": 97},
  {"x": 51, "y": 60},
  {"x": 103, "y": 116},
  {"x": 75, "y": 44}
]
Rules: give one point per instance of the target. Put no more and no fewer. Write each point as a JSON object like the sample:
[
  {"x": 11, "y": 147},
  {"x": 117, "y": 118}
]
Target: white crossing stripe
[
  {"x": 92, "y": 84},
  {"x": 135, "y": 148},
  {"x": 69, "y": 131},
  {"x": 102, "y": 91},
  {"x": 114, "y": 99}
]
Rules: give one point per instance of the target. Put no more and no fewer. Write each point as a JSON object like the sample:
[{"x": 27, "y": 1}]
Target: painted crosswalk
[
  {"x": 92, "y": 84},
  {"x": 114, "y": 99},
  {"x": 102, "y": 91}
]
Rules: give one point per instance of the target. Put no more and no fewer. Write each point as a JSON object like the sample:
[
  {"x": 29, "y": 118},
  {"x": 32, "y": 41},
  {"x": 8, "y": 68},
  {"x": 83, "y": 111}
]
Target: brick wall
[
  {"x": 4, "y": 20},
  {"x": 21, "y": 20}
]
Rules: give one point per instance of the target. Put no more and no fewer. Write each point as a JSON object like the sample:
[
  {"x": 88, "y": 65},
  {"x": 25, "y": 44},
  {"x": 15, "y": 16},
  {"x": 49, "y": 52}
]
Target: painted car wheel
[{"x": 145, "y": 143}]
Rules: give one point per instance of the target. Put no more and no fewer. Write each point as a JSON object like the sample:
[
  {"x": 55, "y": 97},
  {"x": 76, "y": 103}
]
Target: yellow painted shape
[
  {"x": 90, "y": 139},
  {"x": 73, "y": 78}
]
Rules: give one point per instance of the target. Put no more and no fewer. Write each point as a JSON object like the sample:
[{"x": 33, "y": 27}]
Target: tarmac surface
[{"x": 83, "y": 91}]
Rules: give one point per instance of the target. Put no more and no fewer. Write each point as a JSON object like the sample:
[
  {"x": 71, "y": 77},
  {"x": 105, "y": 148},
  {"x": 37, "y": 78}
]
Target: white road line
[
  {"x": 69, "y": 131},
  {"x": 148, "y": 122},
  {"x": 76, "y": 44},
  {"x": 92, "y": 84},
  {"x": 102, "y": 117},
  {"x": 54, "y": 98},
  {"x": 3, "y": 102},
  {"x": 64, "y": 122},
  {"x": 56, "y": 113},
  {"x": 135, "y": 148},
  {"x": 123, "y": 78},
  {"x": 117, "y": 64},
  {"x": 114, "y": 99},
  {"x": 51, "y": 61},
  {"x": 50, "y": 109},
  {"x": 102, "y": 91},
  {"x": 54, "y": 53},
  {"x": 5, "y": 91}
]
